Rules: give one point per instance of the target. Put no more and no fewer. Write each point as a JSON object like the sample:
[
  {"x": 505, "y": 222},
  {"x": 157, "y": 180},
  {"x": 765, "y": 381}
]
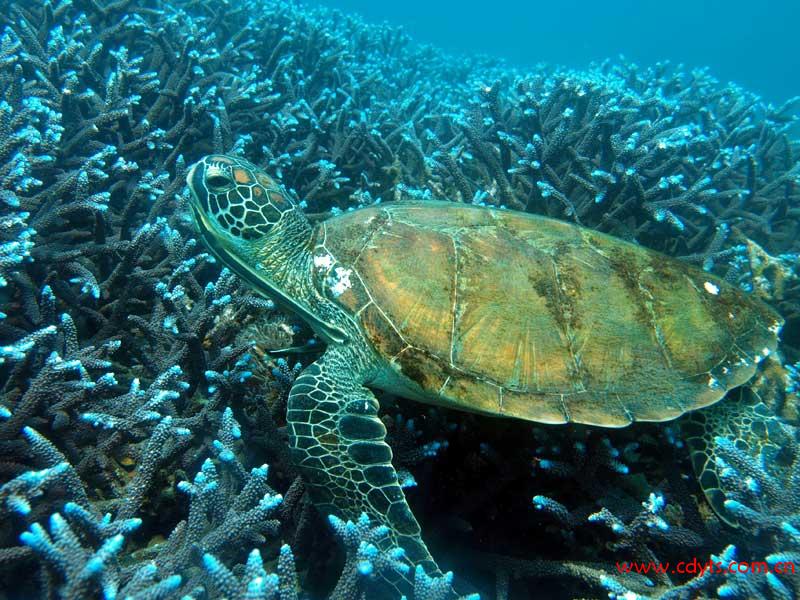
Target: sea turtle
[{"x": 480, "y": 309}]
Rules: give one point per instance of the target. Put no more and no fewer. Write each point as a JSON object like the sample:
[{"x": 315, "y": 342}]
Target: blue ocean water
[{"x": 750, "y": 43}]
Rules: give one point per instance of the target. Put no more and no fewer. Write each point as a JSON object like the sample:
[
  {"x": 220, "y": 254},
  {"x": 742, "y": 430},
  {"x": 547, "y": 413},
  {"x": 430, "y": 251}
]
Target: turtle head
[
  {"x": 234, "y": 201},
  {"x": 244, "y": 216},
  {"x": 249, "y": 222}
]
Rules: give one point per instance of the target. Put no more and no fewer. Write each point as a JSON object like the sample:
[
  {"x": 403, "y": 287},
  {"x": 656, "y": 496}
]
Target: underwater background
[
  {"x": 750, "y": 43},
  {"x": 140, "y": 406}
]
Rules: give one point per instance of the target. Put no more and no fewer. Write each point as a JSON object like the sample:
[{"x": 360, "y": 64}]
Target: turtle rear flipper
[
  {"x": 338, "y": 443},
  {"x": 744, "y": 436}
]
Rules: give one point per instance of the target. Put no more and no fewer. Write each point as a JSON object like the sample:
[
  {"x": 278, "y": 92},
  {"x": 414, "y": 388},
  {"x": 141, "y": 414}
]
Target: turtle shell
[{"x": 512, "y": 314}]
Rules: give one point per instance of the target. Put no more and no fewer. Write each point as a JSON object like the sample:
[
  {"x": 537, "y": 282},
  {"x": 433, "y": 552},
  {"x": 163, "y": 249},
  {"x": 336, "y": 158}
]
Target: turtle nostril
[{"x": 218, "y": 181}]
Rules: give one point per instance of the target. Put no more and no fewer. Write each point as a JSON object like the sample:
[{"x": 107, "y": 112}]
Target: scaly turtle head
[
  {"x": 235, "y": 201},
  {"x": 245, "y": 218},
  {"x": 252, "y": 226}
]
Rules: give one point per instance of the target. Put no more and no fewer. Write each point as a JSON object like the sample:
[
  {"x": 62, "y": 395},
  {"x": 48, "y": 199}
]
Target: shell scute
[
  {"x": 544, "y": 408},
  {"x": 386, "y": 339},
  {"x": 428, "y": 372},
  {"x": 517, "y": 346},
  {"x": 406, "y": 271}
]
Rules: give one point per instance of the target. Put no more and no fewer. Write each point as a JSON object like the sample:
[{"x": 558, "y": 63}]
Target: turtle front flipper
[
  {"x": 742, "y": 432},
  {"x": 338, "y": 443}
]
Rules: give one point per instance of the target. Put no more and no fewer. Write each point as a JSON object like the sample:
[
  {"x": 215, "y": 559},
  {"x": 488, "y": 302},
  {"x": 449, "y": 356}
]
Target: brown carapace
[{"x": 512, "y": 314}]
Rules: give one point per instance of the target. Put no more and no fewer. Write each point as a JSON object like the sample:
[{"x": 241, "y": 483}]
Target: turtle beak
[
  {"x": 190, "y": 177},
  {"x": 197, "y": 188},
  {"x": 197, "y": 201}
]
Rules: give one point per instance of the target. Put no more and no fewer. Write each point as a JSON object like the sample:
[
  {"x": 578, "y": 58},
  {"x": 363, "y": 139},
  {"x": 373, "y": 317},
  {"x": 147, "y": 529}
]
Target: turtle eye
[{"x": 218, "y": 182}]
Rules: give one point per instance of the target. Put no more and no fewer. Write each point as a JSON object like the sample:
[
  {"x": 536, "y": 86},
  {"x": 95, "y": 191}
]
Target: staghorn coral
[
  {"x": 764, "y": 497},
  {"x": 127, "y": 356}
]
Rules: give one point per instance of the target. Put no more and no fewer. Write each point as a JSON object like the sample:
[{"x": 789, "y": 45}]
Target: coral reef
[{"x": 140, "y": 390}]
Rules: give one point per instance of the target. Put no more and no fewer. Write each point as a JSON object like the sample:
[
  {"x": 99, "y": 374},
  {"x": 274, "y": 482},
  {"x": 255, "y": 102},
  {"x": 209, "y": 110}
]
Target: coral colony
[{"x": 141, "y": 396}]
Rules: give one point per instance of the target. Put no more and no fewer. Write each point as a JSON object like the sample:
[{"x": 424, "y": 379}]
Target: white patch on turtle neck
[
  {"x": 323, "y": 261},
  {"x": 340, "y": 282}
]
